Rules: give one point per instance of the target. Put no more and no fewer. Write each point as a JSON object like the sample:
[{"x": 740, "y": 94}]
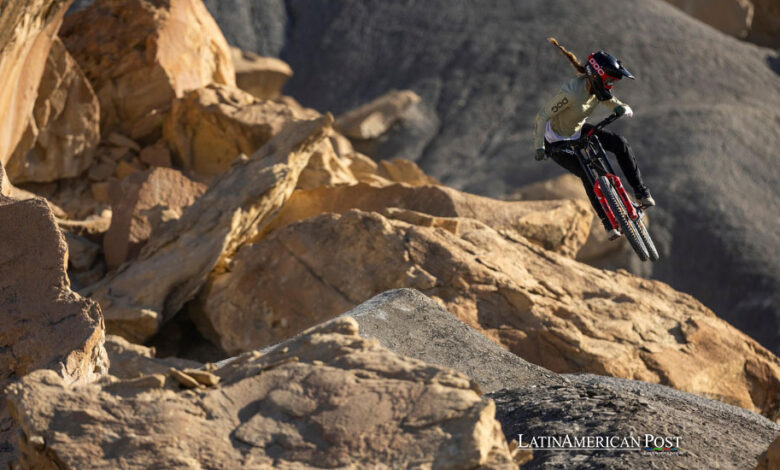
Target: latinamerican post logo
[{"x": 565, "y": 442}]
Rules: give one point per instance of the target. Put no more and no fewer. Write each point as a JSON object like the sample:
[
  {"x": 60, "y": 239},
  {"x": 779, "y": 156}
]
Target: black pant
[{"x": 611, "y": 143}]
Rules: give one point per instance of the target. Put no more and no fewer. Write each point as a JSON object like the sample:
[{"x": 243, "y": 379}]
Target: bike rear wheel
[
  {"x": 621, "y": 215},
  {"x": 652, "y": 251}
]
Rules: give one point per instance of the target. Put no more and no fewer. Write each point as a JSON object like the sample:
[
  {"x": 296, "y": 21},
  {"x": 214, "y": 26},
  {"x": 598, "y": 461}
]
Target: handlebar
[{"x": 607, "y": 121}]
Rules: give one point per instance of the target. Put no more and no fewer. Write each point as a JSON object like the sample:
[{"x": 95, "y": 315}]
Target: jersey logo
[{"x": 560, "y": 104}]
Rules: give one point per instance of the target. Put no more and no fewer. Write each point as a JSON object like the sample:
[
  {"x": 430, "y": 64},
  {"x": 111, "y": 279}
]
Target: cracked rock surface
[{"x": 327, "y": 398}]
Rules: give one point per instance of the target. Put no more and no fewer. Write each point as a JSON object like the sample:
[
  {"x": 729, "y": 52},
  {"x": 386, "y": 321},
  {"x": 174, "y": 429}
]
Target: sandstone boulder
[
  {"x": 64, "y": 129},
  {"x": 560, "y": 226},
  {"x": 766, "y": 24},
  {"x": 45, "y": 324},
  {"x": 142, "y": 202},
  {"x": 129, "y": 361},
  {"x": 140, "y": 55},
  {"x": 27, "y": 29},
  {"x": 401, "y": 170},
  {"x": 770, "y": 459},
  {"x": 5, "y": 185},
  {"x": 93, "y": 226},
  {"x": 328, "y": 398},
  {"x": 175, "y": 263},
  {"x": 395, "y": 125},
  {"x": 546, "y": 308},
  {"x": 209, "y": 127},
  {"x": 156, "y": 155},
  {"x": 263, "y": 77},
  {"x": 326, "y": 169},
  {"x": 374, "y": 118},
  {"x": 396, "y": 170},
  {"x": 733, "y": 17},
  {"x": 597, "y": 250},
  {"x": 711, "y": 434}
]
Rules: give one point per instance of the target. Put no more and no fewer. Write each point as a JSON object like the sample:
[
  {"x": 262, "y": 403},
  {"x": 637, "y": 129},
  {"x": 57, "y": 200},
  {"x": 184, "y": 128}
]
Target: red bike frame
[{"x": 632, "y": 212}]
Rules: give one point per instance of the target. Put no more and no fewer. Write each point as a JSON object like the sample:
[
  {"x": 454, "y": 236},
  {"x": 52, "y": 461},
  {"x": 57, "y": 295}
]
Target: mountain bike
[{"x": 623, "y": 213}]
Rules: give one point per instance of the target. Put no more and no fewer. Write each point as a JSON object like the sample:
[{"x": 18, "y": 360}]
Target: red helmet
[{"x": 603, "y": 71}]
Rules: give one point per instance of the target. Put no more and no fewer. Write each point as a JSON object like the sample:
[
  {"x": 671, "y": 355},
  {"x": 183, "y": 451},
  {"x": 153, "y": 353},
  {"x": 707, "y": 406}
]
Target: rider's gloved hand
[
  {"x": 624, "y": 109},
  {"x": 540, "y": 154}
]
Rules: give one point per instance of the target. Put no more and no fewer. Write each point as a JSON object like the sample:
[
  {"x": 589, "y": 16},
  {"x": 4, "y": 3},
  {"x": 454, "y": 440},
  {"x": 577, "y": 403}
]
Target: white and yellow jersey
[{"x": 562, "y": 116}]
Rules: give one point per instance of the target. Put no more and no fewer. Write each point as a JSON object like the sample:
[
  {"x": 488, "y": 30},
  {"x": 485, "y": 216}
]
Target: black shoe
[
  {"x": 646, "y": 202},
  {"x": 644, "y": 198}
]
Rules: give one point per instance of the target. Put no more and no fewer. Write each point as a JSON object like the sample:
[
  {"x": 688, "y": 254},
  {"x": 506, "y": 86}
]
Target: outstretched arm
[
  {"x": 613, "y": 104},
  {"x": 554, "y": 106}
]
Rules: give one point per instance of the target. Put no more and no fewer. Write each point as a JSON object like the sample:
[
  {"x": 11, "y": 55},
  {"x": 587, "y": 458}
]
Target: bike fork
[
  {"x": 604, "y": 205},
  {"x": 621, "y": 190}
]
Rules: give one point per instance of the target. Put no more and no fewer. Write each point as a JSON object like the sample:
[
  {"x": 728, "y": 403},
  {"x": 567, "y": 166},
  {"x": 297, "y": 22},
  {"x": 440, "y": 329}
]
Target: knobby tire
[
  {"x": 652, "y": 251},
  {"x": 621, "y": 214}
]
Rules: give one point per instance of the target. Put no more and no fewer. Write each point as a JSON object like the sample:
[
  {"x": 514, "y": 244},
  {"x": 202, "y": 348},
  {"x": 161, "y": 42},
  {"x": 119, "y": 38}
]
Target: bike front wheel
[
  {"x": 652, "y": 251},
  {"x": 621, "y": 215}
]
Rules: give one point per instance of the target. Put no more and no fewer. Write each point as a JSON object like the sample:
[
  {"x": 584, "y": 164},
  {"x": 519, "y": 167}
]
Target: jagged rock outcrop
[
  {"x": 210, "y": 127},
  {"x": 235, "y": 208},
  {"x": 27, "y": 29},
  {"x": 711, "y": 434},
  {"x": 374, "y": 118},
  {"x": 263, "y": 77},
  {"x": 45, "y": 324},
  {"x": 546, "y": 308},
  {"x": 560, "y": 226},
  {"x": 411, "y": 324},
  {"x": 326, "y": 169},
  {"x": 130, "y": 361},
  {"x": 140, "y": 55},
  {"x": 327, "y": 398},
  {"x": 140, "y": 203},
  {"x": 64, "y": 128},
  {"x": 396, "y": 124}
]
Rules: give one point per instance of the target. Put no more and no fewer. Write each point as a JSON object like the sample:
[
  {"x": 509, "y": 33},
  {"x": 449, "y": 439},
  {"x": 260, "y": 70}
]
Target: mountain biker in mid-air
[{"x": 562, "y": 121}]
